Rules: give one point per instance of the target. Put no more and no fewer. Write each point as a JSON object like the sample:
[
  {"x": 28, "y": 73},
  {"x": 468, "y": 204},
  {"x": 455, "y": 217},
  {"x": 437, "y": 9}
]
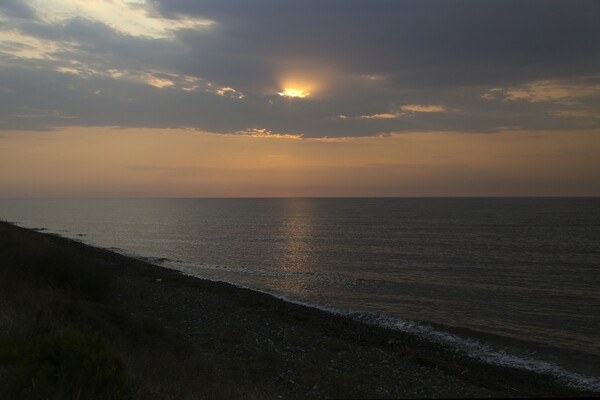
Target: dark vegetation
[
  {"x": 78, "y": 322},
  {"x": 64, "y": 333},
  {"x": 55, "y": 315}
]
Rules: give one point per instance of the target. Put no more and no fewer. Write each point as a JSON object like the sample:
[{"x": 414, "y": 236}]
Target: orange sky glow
[
  {"x": 107, "y": 162},
  {"x": 276, "y": 98}
]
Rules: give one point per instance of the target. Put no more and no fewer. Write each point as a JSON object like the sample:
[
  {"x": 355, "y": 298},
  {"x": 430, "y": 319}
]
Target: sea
[{"x": 509, "y": 281}]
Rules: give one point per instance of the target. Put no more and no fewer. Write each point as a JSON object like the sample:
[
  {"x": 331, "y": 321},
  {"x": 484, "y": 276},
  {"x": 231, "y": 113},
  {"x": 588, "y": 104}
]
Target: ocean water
[{"x": 512, "y": 281}]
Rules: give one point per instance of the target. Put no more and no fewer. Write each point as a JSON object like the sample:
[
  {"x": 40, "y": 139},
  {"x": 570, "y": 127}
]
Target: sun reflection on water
[{"x": 298, "y": 232}]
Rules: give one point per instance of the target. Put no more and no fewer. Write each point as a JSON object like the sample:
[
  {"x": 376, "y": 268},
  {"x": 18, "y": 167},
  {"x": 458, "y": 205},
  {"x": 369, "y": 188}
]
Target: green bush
[{"x": 65, "y": 366}]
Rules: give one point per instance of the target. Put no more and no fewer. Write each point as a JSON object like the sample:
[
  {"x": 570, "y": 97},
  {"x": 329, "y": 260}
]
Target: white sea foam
[
  {"x": 471, "y": 347},
  {"x": 481, "y": 351}
]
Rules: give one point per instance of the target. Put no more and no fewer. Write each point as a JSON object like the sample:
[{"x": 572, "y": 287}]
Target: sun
[{"x": 294, "y": 92}]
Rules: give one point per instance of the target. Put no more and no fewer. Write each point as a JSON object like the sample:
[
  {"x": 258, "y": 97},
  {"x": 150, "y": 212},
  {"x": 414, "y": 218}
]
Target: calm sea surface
[{"x": 511, "y": 281}]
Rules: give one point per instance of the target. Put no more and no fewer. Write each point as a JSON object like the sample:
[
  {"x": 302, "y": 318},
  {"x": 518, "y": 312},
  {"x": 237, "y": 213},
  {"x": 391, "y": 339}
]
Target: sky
[{"x": 262, "y": 98}]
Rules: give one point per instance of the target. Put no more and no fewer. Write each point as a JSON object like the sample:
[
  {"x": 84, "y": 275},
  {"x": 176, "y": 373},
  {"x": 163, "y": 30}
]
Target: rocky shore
[{"x": 180, "y": 337}]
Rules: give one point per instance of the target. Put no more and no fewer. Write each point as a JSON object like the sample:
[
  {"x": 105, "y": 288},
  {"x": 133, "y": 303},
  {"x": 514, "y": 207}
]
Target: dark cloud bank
[{"x": 484, "y": 65}]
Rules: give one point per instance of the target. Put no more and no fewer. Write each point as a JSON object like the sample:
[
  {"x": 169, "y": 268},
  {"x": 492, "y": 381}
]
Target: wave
[
  {"x": 481, "y": 351},
  {"x": 473, "y": 348},
  {"x": 156, "y": 260}
]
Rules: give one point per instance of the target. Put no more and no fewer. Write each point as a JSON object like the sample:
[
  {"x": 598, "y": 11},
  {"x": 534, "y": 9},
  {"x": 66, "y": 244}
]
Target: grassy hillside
[
  {"x": 78, "y": 322},
  {"x": 63, "y": 333}
]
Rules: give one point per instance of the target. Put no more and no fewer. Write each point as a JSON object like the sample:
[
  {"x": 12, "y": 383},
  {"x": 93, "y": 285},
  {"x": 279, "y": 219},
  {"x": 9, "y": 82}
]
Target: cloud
[
  {"x": 229, "y": 92},
  {"x": 407, "y": 110},
  {"x": 16, "y": 9},
  {"x": 545, "y": 91},
  {"x": 388, "y": 66},
  {"x": 380, "y": 116},
  {"x": 586, "y": 113},
  {"x": 135, "y": 18},
  {"x": 415, "y": 39},
  {"x": 428, "y": 108},
  {"x": 267, "y": 134}
]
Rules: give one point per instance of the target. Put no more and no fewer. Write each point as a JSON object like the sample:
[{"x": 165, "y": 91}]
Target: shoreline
[
  {"x": 487, "y": 348},
  {"x": 465, "y": 341},
  {"x": 312, "y": 352}
]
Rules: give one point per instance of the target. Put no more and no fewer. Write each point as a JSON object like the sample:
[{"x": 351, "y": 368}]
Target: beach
[{"x": 181, "y": 337}]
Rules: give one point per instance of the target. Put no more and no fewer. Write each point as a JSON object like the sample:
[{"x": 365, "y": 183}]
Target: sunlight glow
[
  {"x": 299, "y": 79},
  {"x": 294, "y": 92}
]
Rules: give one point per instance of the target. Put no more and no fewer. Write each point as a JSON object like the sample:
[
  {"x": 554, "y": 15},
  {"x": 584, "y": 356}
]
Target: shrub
[{"x": 71, "y": 365}]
